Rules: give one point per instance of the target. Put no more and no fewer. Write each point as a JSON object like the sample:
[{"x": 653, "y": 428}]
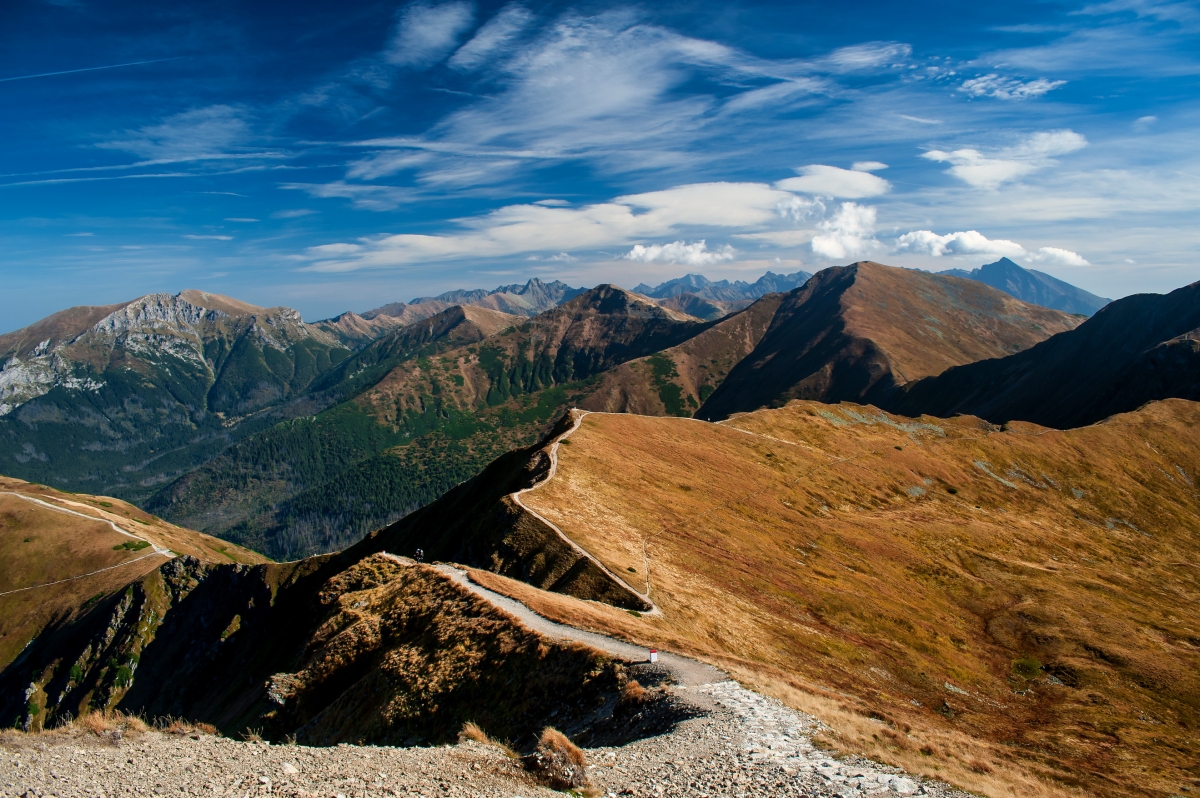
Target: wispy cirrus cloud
[
  {"x": 989, "y": 171},
  {"x": 427, "y": 32},
  {"x": 1003, "y": 88}
]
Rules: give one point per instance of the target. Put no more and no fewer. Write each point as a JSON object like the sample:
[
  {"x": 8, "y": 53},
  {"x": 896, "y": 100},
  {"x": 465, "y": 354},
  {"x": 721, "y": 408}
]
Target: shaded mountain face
[
  {"x": 1137, "y": 349},
  {"x": 119, "y": 399},
  {"x": 247, "y": 487},
  {"x": 856, "y": 333},
  {"x": 723, "y": 290},
  {"x": 1034, "y": 287}
]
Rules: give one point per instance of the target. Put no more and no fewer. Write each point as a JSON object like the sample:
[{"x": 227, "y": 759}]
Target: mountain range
[{"x": 870, "y": 523}]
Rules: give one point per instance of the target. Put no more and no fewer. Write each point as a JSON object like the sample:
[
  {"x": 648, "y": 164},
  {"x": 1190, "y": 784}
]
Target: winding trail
[{"x": 156, "y": 549}]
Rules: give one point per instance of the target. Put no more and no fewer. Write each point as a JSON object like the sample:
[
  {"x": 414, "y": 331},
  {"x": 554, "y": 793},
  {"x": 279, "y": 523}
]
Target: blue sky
[{"x": 336, "y": 156}]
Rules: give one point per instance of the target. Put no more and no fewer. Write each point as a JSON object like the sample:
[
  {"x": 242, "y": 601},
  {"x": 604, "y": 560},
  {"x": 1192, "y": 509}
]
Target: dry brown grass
[
  {"x": 471, "y": 731},
  {"x": 634, "y": 695},
  {"x": 820, "y": 557},
  {"x": 558, "y": 762}
]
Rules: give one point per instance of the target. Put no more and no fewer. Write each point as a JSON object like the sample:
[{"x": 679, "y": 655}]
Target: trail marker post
[{"x": 654, "y": 655}]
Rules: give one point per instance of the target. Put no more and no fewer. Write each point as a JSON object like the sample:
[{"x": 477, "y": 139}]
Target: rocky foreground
[{"x": 738, "y": 743}]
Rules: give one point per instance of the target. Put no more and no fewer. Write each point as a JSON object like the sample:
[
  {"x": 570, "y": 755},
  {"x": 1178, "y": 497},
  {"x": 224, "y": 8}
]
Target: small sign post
[{"x": 654, "y": 655}]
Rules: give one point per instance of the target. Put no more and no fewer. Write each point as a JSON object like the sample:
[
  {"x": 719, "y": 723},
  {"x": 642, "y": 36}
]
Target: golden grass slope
[
  {"x": 1016, "y": 608},
  {"x": 52, "y": 563}
]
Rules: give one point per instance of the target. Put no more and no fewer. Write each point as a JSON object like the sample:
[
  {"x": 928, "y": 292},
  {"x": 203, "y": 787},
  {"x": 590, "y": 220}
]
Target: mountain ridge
[{"x": 1034, "y": 287}]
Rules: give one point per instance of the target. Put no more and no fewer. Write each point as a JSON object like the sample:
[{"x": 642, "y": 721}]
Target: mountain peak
[
  {"x": 225, "y": 304},
  {"x": 1037, "y": 288}
]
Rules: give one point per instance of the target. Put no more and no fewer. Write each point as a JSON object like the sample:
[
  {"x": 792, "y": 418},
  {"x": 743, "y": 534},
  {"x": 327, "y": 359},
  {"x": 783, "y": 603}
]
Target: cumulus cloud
[
  {"x": 849, "y": 233},
  {"x": 972, "y": 242},
  {"x": 1035, "y": 153},
  {"x": 562, "y": 257},
  {"x": 831, "y": 181},
  {"x": 426, "y": 33},
  {"x": 801, "y": 209},
  {"x": 1008, "y": 88},
  {"x": 694, "y": 254},
  {"x": 1053, "y": 256},
  {"x": 493, "y": 38},
  {"x": 969, "y": 242}
]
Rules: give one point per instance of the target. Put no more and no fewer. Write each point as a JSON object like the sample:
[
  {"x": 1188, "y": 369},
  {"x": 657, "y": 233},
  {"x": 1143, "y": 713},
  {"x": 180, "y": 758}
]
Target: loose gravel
[{"x": 739, "y": 744}]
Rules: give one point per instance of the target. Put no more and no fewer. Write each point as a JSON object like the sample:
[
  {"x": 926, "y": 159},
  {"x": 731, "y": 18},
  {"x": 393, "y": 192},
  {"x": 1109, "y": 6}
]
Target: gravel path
[{"x": 686, "y": 671}]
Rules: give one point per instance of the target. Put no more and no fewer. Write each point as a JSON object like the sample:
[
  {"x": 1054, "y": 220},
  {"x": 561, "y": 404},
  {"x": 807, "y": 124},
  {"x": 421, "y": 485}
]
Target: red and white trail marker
[{"x": 654, "y": 655}]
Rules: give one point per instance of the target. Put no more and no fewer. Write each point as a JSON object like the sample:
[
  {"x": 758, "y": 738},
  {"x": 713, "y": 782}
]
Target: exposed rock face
[
  {"x": 145, "y": 380},
  {"x": 723, "y": 290}
]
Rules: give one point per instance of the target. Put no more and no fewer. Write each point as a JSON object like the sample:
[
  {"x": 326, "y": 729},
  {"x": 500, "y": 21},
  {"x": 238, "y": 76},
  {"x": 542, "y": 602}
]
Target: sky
[{"x": 335, "y": 156}]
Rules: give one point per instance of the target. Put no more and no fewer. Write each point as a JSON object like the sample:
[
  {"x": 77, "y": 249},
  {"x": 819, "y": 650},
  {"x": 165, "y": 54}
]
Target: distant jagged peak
[
  {"x": 724, "y": 290},
  {"x": 609, "y": 299}
]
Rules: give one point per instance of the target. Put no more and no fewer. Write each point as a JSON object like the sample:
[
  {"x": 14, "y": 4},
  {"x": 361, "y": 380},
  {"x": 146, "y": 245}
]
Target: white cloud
[
  {"x": 1144, "y": 122},
  {"x": 492, "y": 39},
  {"x": 862, "y": 57},
  {"x": 849, "y": 233},
  {"x": 1053, "y": 256},
  {"x": 371, "y": 198},
  {"x": 79, "y": 235},
  {"x": 553, "y": 203},
  {"x": 195, "y": 134},
  {"x": 831, "y": 181},
  {"x": 694, "y": 254},
  {"x": 209, "y": 238},
  {"x": 1008, "y": 88},
  {"x": 972, "y": 242},
  {"x": 562, "y": 257},
  {"x": 801, "y": 209},
  {"x": 426, "y": 33},
  {"x": 969, "y": 242},
  {"x": 1035, "y": 153},
  {"x": 293, "y": 213},
  {"x": 522, "y": 229},
  {"x": 242, "y": 219},
  {"x": 868, "y": 166}
]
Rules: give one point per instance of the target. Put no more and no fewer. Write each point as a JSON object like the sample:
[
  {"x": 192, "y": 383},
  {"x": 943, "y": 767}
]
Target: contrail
[{"x": 91, "y": 69}]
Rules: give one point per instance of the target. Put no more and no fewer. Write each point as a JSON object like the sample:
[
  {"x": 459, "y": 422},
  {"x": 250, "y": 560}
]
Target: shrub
[
  {"x": 1027, "y": 667},
  {"x": 558, "y": 762},
  {"x": 634, "y": 695}
]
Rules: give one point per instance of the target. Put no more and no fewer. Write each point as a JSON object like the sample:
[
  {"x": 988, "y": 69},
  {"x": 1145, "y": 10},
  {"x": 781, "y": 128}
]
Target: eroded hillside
[{"x": 1009, "y": 603}]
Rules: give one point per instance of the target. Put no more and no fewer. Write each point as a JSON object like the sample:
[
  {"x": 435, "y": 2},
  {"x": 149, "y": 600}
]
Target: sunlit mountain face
[{"x": 332, "y": 157}]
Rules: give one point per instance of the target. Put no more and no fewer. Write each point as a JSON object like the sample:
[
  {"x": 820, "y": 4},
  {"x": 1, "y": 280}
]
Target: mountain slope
[
  {"x": 857, "y": 332},
  {"x": 992, "y": 599},
  {"x": 120, "y": 400},
  {"x": 1137, "y": 349},
  {"x": 523, "y": 300},
  {"x": 417, "y": 425},
  {"x": 248, "y": 482},
  {"x": 62, "y": 551},
  {"x": 677, "y": 380},
  {"x": 1034, "y": 287}
]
